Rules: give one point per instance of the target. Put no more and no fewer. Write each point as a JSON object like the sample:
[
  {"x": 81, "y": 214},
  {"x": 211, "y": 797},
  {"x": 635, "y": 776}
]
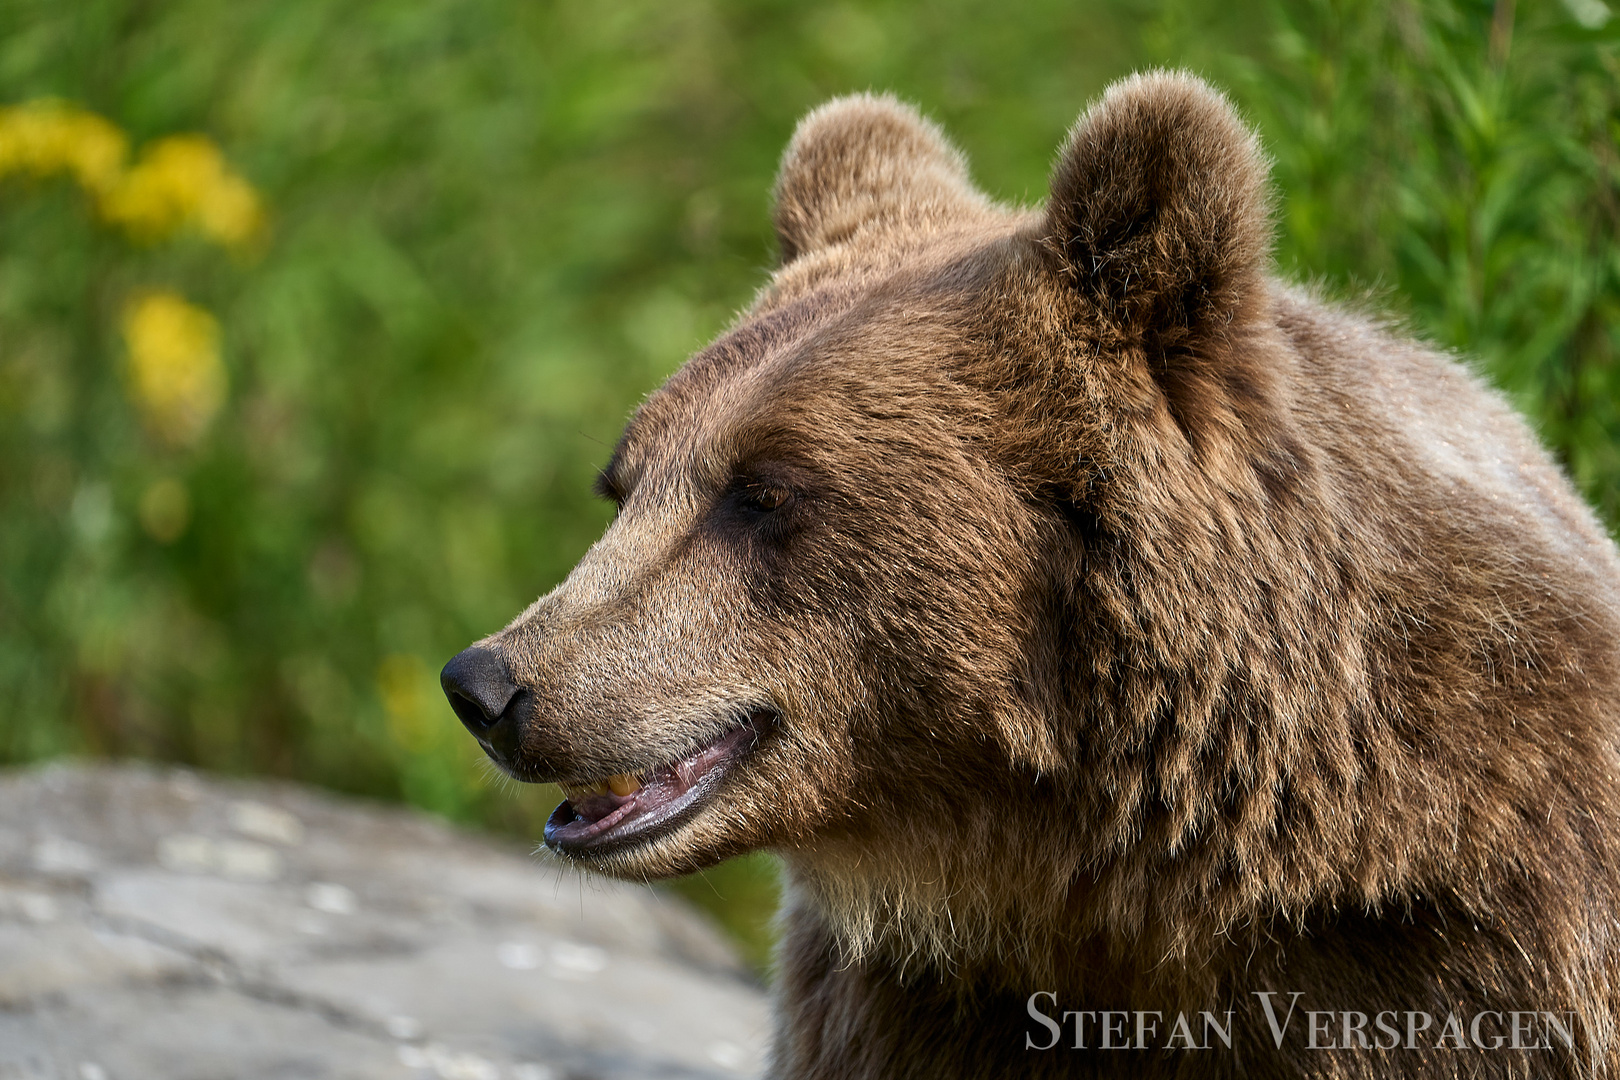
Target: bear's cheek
[{"x": 663, "y": 641}]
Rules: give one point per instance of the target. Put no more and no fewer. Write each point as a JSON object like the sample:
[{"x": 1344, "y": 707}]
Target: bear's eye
[{"x": 765, "y": 497}]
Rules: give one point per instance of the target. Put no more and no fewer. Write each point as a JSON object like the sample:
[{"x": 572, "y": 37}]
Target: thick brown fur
[{"x": 1136, "y": 627}]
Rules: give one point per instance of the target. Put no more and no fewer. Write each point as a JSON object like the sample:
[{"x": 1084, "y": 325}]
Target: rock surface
[{"x": 158, "y": 925}]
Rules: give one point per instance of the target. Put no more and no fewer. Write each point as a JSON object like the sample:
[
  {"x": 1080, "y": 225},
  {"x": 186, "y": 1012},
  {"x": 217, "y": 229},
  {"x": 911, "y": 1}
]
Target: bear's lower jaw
[{"x": 597, "y": 820}]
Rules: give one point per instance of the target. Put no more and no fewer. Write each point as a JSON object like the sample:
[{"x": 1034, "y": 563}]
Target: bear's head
[{"x": 867, "y": 591}]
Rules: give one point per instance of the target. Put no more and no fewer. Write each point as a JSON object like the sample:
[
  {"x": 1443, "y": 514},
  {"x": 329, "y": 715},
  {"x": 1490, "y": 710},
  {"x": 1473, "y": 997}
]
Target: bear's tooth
[
  {"x": 576, "y": 792},
  {"x": 623, "y": 784}
]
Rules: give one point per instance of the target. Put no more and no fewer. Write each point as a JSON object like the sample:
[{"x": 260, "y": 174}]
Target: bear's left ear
[
  {"x": 1159, "y": 209},
  {"x": 862, "y": 161}
]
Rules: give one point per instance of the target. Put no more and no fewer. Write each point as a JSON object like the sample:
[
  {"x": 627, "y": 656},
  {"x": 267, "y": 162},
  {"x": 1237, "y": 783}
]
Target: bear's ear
[
  {"x": 1159, "y": 208},
  {"x": 862, "y": 160}
]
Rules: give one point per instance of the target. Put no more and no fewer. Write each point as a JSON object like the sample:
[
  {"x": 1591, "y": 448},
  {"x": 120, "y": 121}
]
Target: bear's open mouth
[{"x": 631, "y": 807}]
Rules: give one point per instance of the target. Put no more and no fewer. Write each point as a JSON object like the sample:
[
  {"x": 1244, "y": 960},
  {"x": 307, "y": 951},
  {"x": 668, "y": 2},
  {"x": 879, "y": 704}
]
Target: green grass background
[{"x": 497, "y": 224}]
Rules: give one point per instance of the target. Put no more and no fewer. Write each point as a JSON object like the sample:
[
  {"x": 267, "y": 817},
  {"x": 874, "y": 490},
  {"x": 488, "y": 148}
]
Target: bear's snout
[{"x": 480, "y": 689}]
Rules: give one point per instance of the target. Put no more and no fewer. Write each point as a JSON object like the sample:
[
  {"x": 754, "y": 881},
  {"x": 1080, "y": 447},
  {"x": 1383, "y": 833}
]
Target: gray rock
[{"x": 157, "y": 925}]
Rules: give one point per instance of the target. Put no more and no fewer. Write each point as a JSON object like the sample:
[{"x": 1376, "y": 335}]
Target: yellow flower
[
  {"x": 176, "y": 377},
  {"x": 49, "y": 137},
  {"x": 180, "y": 180}
]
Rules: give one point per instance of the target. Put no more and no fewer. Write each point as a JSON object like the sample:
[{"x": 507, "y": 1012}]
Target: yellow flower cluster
[
  {"x": 175, "y": 374},
  {"x": 46, "y": 137},
  {"x": 183, "y": 180},
  {"x": 176, "y": 378},
  {"x": 178, "y": 181}
]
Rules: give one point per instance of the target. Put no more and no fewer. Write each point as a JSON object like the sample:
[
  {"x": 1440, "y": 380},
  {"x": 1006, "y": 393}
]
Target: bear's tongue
[
  {"x": 624, "y": 805},
  {"x": 626, "y": 791}
]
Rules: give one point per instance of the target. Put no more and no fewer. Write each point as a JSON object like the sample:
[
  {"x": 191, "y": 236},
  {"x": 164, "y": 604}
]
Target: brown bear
[{"x": 1141, "y": 666}]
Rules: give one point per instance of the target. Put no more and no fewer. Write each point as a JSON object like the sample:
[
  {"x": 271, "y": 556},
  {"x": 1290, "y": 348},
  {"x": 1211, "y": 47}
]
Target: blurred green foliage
[
  {"x": 1463, "y": 162},
  {"x": 493, "y": 225}
]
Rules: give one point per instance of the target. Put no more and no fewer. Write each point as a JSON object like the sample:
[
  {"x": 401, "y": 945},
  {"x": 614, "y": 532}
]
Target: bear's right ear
[
  {"x": 1159, "y": 209},
  {"x": 866, "y": 160}
]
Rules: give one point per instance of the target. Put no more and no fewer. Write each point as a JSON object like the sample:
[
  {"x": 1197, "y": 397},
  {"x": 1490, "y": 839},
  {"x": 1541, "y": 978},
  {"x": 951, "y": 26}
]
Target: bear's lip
[{"x": 589, "y": 822}]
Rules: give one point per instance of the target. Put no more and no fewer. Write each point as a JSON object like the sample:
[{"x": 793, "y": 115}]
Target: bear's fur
[{"x": 1102, "y": 617}]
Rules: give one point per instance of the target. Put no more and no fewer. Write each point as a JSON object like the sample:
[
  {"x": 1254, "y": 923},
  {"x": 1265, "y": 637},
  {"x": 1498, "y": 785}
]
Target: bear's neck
[{"x": 1009, "y": 890}]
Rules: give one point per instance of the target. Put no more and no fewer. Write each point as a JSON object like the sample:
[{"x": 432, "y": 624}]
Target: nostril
[
  {"x": 470, "y": 713},
  {"x": 478, "y": 687}
]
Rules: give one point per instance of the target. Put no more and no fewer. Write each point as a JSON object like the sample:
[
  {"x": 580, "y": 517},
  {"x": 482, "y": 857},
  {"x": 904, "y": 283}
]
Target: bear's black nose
[{"x": 479, "y": 689}]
